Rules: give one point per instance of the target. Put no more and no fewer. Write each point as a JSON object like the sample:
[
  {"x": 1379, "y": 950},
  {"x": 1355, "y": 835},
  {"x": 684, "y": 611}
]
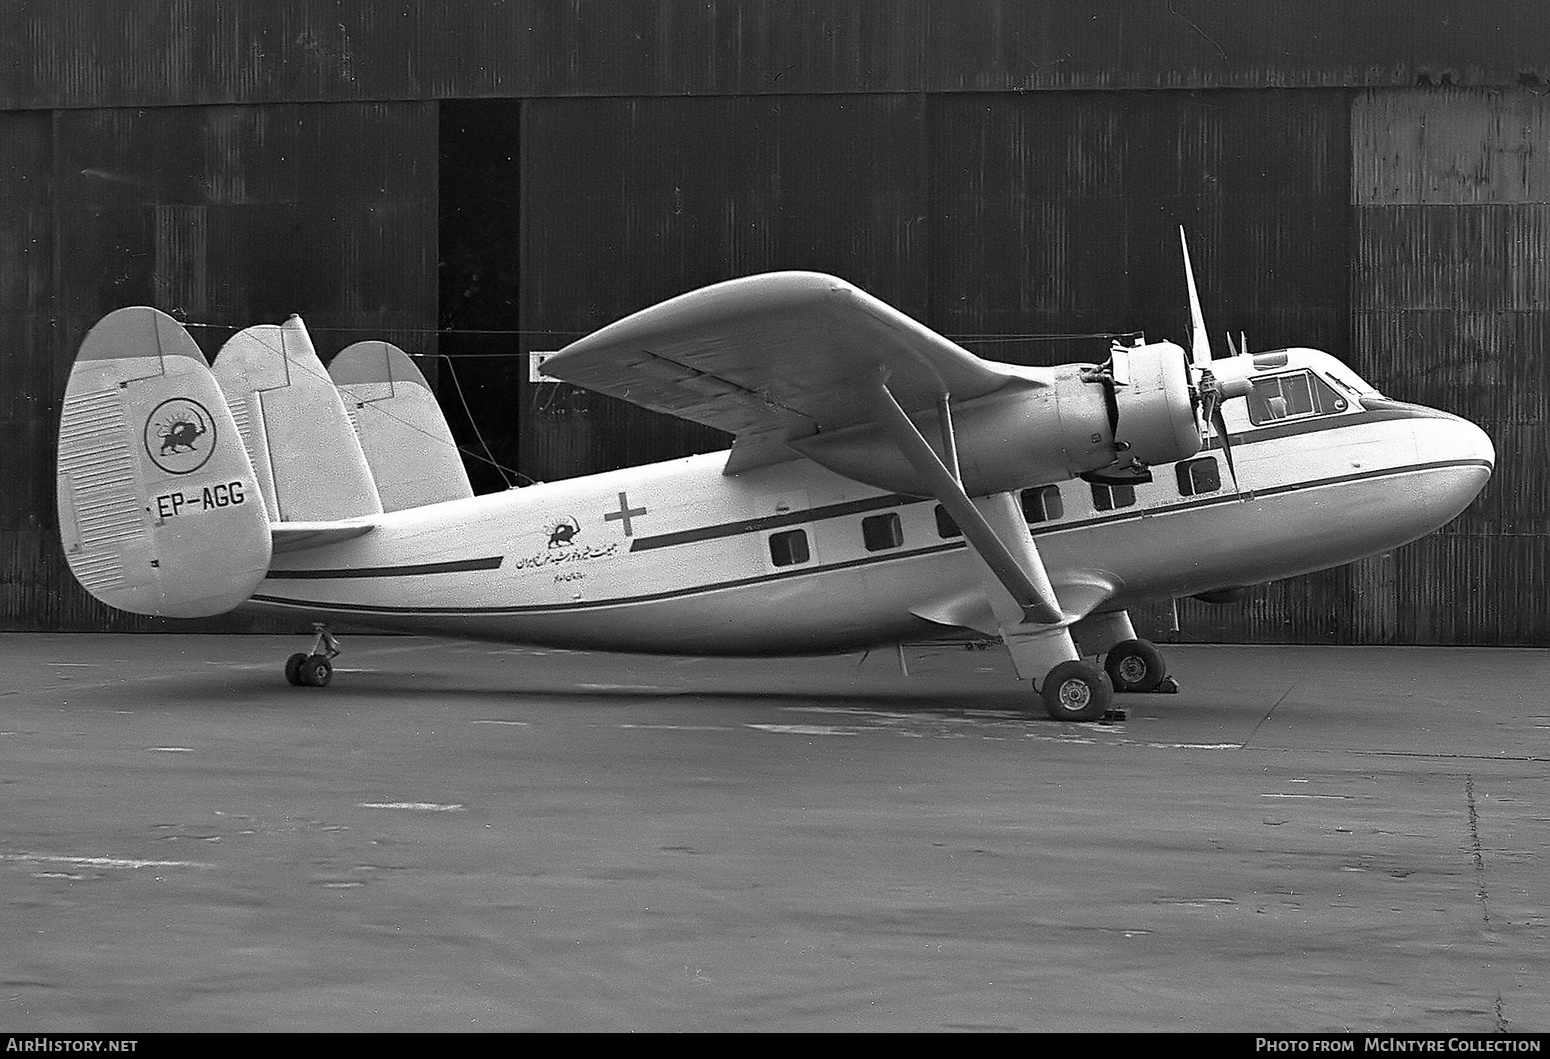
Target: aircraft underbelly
[{"x": 825, "y": 610}]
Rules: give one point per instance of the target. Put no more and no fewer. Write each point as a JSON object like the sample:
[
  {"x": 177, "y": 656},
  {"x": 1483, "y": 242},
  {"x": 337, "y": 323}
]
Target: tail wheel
[
  {"x": 1135, "y": 665},
  {"x": 316, "y": 671},
  {"x": 1077, "y": 691},
  {"x": 293, "y": 666}
]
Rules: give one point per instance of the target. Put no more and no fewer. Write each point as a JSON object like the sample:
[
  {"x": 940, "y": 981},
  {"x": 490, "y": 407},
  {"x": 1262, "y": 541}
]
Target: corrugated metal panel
[
  {"x": 1454, "y": 257},
  {"x": 1058, "y": 213},
  {"x": 1491, "y": 367},
  {"x": 228, "y": 216},
  {"x": 248, "y": 214},
  {"x": 628, "y": 202},
  {"x": 1469, "y": 589},
  {"x": 27, "y": 399},
  {"x": 79, "y": 53},
  {"x": 1451, "y": 307},
  {"x": 1010, "y": 45},
  {"x": 1450, "y": 148}
]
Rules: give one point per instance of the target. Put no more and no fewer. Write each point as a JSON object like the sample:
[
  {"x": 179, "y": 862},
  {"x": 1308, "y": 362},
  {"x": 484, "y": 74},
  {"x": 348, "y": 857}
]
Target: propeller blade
[
  {"x": 1200, "y": 342},
  {"x": 1220, "y": 423}
]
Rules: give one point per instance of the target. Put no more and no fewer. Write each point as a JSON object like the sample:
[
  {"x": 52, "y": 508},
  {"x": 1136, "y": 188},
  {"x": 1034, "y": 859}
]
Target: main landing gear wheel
[
  {"x": 1077, "y": 691},
  {"x": 1135, "y": 665},
  {"x": 293, "y": 666}
]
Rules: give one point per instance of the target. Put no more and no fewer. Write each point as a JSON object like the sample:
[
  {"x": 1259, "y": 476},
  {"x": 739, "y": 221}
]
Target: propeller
[{"x": 1209, "y": 392}]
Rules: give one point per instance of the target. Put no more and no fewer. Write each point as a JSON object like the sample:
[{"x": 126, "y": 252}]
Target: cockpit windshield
[{"x": 1292, "y": 395}]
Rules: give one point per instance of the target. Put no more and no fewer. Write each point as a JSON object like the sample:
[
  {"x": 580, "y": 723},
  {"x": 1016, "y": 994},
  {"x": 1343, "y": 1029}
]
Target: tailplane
[
  {"x": 402, "y": 431},
  {"x": 160, "y": 510}
]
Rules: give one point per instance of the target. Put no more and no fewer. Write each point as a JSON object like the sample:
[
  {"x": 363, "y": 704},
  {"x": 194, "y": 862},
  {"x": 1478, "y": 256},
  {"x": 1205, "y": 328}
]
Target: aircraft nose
[
  {"x": 1477, "y": 445},
  {"x": 1464, "y": 457}
]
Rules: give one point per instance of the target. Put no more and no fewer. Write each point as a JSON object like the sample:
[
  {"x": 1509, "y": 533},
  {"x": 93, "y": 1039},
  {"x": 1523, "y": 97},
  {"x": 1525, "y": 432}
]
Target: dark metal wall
[
  {"x": 1059, "y": 212},
  {"x": 627, "y": 202},
  {"x": 1451, "y": 306},
  {"x": 234, "y": 215},
  {"x": 985, "y": 215},
  {"x": 90, "y": 53},
  {"x": 523, "y": 171}
]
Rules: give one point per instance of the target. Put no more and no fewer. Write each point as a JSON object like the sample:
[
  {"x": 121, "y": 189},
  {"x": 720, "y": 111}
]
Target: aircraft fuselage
[{"x": 792, "y": 558}]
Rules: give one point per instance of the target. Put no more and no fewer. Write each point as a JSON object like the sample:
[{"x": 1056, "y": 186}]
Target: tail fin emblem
[{"x": 179, "y": 435}]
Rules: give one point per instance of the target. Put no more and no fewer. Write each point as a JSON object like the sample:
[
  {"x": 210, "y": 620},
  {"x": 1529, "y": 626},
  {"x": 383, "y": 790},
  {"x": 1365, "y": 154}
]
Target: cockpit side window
[{"x": 1292, "y": 396}]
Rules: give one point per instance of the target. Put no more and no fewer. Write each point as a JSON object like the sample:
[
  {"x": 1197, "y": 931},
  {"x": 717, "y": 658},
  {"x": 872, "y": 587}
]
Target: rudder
[
  {"x": 159, "y": 508},
  {"x": 407, "y": 442},
  {"x": 292, "y": 421}
]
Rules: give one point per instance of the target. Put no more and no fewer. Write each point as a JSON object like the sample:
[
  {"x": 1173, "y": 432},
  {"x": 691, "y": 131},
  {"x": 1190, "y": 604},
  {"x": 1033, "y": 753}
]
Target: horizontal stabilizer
[
  {"x": 159, "y": 508},
  {"x": 292, "y": 420},
  {"x": 299, "y": 536},
  {"x": 407, "y": 442}
]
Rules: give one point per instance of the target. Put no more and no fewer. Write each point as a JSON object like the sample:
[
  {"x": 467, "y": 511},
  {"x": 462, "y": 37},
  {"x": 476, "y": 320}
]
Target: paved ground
[{"x": 461, "y": 836}]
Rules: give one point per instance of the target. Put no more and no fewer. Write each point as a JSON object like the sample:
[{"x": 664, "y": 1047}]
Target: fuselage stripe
[
  {"x": 755, "y": 525},
  {"x": 366, "y": 608},
  {"x": 490, "y": 562}
]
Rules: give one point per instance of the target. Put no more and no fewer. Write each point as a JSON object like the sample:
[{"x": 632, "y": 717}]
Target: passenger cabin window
[
  {"x": 881, "y": 532},
  {"x": 789, "y": 548},
  {"x": 1042, "y": 504},
  {"x": 1199, "y": 476},
  {"x": 1109, "y": 497},
  {"x": 945, "y": 526},
  {"x": 1292, "y": 396}
]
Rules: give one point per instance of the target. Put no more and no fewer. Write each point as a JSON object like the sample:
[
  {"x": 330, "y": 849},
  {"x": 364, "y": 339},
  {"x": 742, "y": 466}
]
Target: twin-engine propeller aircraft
[{"x": 883, "y": 482}]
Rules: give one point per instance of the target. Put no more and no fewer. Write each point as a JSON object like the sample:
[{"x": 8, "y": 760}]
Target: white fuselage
[{"x": 677, "y": 557}]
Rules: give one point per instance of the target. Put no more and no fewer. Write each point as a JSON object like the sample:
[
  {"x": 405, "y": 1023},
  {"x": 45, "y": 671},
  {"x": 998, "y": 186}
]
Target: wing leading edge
[{"x": 777, "y": 357}]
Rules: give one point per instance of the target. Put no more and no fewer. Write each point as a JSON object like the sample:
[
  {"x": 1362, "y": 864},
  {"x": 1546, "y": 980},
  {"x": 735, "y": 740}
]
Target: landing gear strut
[{"x": 316, "y": 669}]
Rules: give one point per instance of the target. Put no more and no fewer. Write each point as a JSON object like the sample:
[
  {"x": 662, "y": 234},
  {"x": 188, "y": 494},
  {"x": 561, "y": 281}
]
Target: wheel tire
[
  {"x": 1135, "y": 665},
  {"x": 316, "y": 671},
  {"x": 1077, "y": 691},
  {"x": 293, "y": 668}
]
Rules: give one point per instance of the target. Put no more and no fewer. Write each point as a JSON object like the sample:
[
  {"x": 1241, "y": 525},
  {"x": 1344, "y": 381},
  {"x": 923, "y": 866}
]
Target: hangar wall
[
  {"x": 1000, "y": 169},
  {"x": 234, "y": 215},
  {"x": 1451, "y": 304}
]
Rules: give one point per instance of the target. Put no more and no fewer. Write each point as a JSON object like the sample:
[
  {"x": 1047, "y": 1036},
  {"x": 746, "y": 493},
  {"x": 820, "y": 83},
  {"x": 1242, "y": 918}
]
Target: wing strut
[{"x": 1030, "y": 589}]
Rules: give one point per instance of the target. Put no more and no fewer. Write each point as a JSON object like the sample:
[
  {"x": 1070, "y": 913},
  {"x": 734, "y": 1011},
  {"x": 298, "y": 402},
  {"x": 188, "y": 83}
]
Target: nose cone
[
  {"x": 1463, "y": 458},
  {"x": 1478, "y": 447}
]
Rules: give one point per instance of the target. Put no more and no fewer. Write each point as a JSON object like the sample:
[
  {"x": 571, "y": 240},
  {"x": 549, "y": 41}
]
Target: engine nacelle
[
  {"x": 1064, "y": 422},
  {"x": 1157, "y": 421}
]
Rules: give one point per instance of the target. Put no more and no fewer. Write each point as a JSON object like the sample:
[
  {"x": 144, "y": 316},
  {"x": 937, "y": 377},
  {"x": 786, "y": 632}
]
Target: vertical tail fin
[
  {"x": 407, "y": 442},
  {"x": 159, "y": 508},
  {"x": 309, "y": 464}
]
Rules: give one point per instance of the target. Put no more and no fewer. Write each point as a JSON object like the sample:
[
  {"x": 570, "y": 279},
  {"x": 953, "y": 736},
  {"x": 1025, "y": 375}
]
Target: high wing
[
  {"x": 777, "y": 357},
  {"x": 807, "y": 363},
  {"x": 784, "y": 356}
]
